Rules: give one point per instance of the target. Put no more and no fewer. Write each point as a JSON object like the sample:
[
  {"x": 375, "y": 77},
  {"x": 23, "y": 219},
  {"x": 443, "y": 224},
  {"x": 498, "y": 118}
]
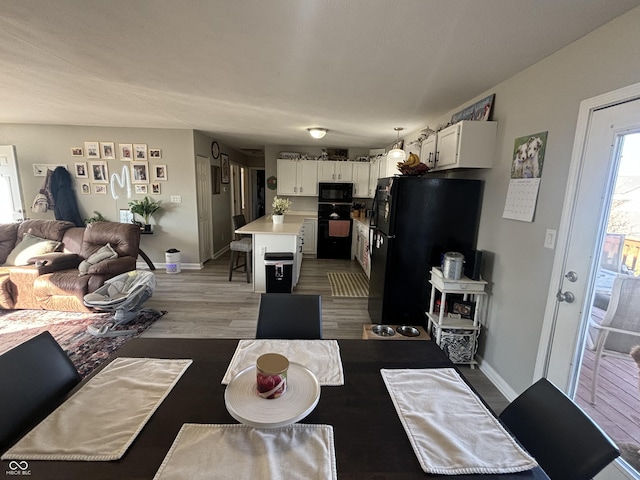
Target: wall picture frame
[
  {"x": 100, "y": 189},
  {"x": 224, "y": 165},
  {"x": 108, "y": 150},
  {"x": 125, "y": 216},
  {"x": 140, "y": 152},
  {"x": 160, "y": 172},
  {"x": 215, "y": 180},
  {"x": 99, "y": 172},
  {"x": 155, "y": 188},
  {"x": 126, "y": 152},
  {"x": 155, "y": 153},
  {"x": 139, "y": 172},
  {"x": 141, "y": 189},
  {"x": 77, "y": 152},
  {"x": 85, "y": 188},
  {"x": 92, "y": 149},
  {"x": 80, "y": 170}
]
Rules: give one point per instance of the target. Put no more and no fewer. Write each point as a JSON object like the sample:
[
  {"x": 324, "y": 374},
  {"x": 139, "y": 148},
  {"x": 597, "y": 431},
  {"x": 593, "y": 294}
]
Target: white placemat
[
  {"x": 322, "y": 357},
  {"x": 102, "y": 419},
  {"x": 450, "y": 429},
  {"x": 207, "y": 452}
]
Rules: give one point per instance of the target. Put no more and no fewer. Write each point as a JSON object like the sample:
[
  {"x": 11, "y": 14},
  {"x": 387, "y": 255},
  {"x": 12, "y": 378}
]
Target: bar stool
[{"x": 242, "y": 244}]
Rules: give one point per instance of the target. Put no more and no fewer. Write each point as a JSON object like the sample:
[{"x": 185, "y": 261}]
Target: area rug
[
  {"x": 348, "y": 284},
  {"x": 70, "y": 331}
]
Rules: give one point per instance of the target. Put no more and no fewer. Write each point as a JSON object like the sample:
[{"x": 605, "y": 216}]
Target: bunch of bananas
[{"x": 412, "y": 166}]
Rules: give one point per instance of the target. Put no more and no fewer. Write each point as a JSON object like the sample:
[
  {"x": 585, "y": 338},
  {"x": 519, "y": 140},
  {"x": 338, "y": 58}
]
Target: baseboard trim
[
  {"x": 161, "y": 267},
  {"x": 505, "y": 389}
]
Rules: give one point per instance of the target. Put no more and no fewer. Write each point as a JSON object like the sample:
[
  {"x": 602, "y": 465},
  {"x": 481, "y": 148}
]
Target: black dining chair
[
  {"x": 566, "y": 443},
  {"x": 35, "y": 376},
  {"x": 289, "y": 316}
]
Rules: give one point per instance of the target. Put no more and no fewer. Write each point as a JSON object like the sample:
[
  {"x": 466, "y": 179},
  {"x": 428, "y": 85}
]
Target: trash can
[
  {"x": 278, "y": 271},
  {"x": 172, "y": 260}
]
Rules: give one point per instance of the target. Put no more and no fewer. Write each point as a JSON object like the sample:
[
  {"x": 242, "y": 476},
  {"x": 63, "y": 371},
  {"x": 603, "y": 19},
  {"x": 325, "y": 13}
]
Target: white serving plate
[{"x": 245, "y": 405}]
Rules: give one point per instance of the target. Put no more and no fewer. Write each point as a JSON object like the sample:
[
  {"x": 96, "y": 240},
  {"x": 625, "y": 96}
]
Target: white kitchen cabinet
[
  {"x": 374, "y": 171},
  {"x": 297, "y": 177},
  {"x": 329, "y": 171},
  {"x": 453, "y": 332},
  {"x": 428, "y": 151},
  {"x": 361, "y": 185},
  {"x": 467, "y": 144},
  {"x": 362, "y": 247},
  {"x": 309, "y": 229}
]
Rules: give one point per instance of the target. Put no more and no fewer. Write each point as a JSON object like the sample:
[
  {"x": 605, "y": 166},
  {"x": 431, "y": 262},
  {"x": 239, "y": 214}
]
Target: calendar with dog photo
[{"x": 528, "y": 156}]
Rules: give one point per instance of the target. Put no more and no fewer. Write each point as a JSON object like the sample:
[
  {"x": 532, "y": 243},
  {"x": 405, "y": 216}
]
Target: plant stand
[{"x": 455, "y": 335}]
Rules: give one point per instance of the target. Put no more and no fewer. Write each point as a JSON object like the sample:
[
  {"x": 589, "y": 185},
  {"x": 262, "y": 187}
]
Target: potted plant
[
  {"x": 280, "y": 207},
  {"x": 144, "y": 208}
]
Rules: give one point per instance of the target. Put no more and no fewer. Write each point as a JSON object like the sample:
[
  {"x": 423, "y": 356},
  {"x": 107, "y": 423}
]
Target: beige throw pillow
[
  {"x": 30, "y": 246},
  {"x": 104, "y": 253}
]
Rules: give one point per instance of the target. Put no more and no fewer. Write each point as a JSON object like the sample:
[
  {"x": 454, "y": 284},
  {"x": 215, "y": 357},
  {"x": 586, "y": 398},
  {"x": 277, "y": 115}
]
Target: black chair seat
[
  {"x": 36, "y": 375},
  {"x": 567, "y": 444},
  {"x": 289, "y": 316}
]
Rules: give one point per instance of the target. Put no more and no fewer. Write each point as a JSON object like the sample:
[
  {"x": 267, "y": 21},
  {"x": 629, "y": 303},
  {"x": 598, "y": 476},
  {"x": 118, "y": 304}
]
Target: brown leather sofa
[{"x": 52, "y": 281}]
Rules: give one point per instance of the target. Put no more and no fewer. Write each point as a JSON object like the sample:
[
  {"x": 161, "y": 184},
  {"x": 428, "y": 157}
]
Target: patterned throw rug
[
  {"x": 348, "y": 284},
  {"x": 70, "y": 331}
]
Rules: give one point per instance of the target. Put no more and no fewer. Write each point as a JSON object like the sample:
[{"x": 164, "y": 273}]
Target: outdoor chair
[
  {"x": 565, "y": 442},
  {"x": 36, "y": 375},
  {"x": 241, "y": 245},
  {"x": 289, "y": 316},
  {"x": 619, "y": 330}
]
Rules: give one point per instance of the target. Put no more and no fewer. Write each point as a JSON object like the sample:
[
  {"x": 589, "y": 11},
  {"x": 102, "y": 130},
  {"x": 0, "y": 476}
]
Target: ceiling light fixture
[
  {"x": 397, "y": 154},
  {"x": 317, "y": 132}
]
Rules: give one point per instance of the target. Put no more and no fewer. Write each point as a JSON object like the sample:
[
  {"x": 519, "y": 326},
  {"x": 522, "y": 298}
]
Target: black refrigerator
[{"x": 415, "y": 220}]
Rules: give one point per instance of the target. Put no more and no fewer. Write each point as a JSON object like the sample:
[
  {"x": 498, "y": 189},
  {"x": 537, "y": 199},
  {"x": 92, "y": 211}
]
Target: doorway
[
  {"x": 11, "y": 204},
  {"x": 606, "y": 140}
]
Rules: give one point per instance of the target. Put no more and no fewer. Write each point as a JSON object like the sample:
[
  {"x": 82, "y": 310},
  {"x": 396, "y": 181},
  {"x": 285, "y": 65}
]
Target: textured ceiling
[{"x": 256, "y": 72}]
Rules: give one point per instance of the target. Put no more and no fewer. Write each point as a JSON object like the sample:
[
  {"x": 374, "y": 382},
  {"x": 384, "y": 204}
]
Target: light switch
[
  {"x": 176, "y": 198},
  {"x": 550, "y": 239}
]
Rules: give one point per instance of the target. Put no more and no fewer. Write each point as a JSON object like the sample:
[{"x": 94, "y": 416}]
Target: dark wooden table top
[{"x": 370, "y": 441}]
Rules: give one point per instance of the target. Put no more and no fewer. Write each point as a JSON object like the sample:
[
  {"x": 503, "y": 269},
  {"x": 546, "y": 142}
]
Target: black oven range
[{"x": 334, "y": 220}]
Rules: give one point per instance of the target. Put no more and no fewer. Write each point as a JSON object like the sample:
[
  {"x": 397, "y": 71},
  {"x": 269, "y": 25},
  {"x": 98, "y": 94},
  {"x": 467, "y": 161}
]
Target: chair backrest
[
  {"x": 238, "y": 222},
  {"x": 289, "y": 316},
  {"x": 622, "y": 313},
  {"x": 562, "y": 438},
  {"x": 35, "y": 375}
]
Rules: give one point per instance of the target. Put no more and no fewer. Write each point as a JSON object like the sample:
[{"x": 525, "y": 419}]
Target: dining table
[{"x": 370, "y": 441}]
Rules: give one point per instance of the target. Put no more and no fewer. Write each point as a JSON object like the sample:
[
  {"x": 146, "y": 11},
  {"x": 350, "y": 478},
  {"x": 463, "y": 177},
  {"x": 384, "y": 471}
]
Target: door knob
[
  {"x": 565, "y": 297},
  {"x": 571, "y": 276}
]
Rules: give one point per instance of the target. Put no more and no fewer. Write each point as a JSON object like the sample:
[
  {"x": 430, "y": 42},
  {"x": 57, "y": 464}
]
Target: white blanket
[
  {"x": 322, "y": 357},
  {"x": 450, "y": 429},
  {"x": 102, "y": 419},
  {"x": 238, "y": 451}
]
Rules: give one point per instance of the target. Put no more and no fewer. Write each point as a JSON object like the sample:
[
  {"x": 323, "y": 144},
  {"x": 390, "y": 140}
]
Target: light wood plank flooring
[{"x": 204, "y": 304}]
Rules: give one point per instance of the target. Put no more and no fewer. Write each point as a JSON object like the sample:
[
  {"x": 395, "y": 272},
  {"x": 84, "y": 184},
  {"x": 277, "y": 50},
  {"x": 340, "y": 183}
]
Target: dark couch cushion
[
  {"x": 8, "y": 239},
  {"x": 50, "y": 229}
]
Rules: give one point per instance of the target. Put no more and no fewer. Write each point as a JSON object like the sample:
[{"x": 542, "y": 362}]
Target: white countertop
[{"x": 264, "y": 225}]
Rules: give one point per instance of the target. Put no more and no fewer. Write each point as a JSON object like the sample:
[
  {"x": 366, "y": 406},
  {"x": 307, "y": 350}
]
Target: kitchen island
[{"x": 269, "y": 237}]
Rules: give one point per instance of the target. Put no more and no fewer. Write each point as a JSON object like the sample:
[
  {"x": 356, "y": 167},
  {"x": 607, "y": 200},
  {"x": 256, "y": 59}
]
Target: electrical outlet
[{"x": 176, "y": 199}]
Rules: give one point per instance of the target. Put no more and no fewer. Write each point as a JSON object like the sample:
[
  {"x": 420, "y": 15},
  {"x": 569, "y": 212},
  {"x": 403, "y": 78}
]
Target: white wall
[{"x": 545, "y": 97}]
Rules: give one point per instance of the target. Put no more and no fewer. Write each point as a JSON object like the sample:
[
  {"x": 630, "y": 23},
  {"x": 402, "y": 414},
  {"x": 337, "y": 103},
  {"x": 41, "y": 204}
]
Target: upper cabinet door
[
  {"x": 287, "y": 177},
  {"x": 466, "y": 144},
  {"x": 361, "y": 179},
  {"x": 307, "y": 178},
  {"x": 326, "y": 171},
  {"x": 428, "y": 151}
]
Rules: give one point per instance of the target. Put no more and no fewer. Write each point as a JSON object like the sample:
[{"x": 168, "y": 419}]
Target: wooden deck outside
[{"x": 617, "y": 409}]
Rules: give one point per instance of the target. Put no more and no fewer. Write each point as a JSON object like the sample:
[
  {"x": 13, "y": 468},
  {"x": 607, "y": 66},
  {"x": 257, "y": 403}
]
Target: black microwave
[{"x": 335, "y": 192}]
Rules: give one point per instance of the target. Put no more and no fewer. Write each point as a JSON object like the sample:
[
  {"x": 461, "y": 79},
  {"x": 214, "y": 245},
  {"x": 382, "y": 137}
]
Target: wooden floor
[
  {"x": 204, "y": 304},
  {"x": 617, "y": 408}
]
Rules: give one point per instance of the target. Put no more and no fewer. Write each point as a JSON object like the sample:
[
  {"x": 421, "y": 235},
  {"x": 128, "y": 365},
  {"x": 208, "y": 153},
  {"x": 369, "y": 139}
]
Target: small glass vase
[{"x": 277, "y": 219}]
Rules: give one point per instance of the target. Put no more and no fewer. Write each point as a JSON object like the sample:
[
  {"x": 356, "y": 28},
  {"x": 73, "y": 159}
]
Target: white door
[
  {"x": 603, "y": 125},
  {"x": 203, "y": 186},
  {"x": 11, "y": 204}
]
